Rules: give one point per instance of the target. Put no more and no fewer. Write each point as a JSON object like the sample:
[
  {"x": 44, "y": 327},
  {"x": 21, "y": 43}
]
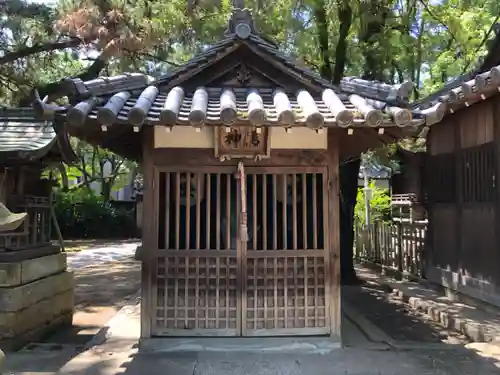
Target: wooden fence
[
  {"x": 36, "y": 228},
  {"x": 396, "y": 246}
]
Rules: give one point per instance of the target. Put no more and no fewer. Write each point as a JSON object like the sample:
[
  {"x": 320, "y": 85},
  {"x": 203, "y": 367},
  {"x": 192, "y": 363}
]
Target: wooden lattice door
[
  {"x": 284, "y": 261},
  {"x": 211, "y": 281}
]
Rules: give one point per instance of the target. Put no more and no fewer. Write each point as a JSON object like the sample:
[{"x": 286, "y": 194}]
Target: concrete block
[
  {"x": 457, "y": 324},
  {"x": 444, "y": 319},
  {"x": 19, "y": 297},
  {"x": 423, "y": 305},
  {"x": 433, "y": 313},
  {"x": 474, "y": 331},
  {"x": 18, "y": 273},
  {"x": 36, "y": 315},
  {"x": 413, "y": 302}
]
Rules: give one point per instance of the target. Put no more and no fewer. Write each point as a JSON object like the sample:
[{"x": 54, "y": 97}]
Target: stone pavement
[
  {"x": 380, "y": 333},
  {"x": 100, "y": 254},
  {"x": 471, "y": 320},
  {"x": 116, "y": 352}
]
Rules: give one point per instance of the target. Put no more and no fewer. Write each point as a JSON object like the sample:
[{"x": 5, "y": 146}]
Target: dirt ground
[{"x": 107, "y": 284}]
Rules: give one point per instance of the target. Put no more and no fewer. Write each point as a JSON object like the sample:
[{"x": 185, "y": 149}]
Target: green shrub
[
  {"x": 81, "y": 214},
  {"x": 380, "y": 205}
]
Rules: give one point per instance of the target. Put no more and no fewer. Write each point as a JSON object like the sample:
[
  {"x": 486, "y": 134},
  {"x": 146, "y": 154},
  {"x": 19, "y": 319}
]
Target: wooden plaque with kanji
[{"x": 241, "y": 142}]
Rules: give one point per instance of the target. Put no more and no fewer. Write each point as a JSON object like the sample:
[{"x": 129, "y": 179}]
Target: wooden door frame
[
  {"x": 169, "y": 157},
  {"x": 242, "y": 252}
]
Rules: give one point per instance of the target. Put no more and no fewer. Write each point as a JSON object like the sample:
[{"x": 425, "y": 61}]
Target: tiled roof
[
  {"x": 138, "y": 100},
  {"x": 460, "y": 95},
  {"x": 20, "y": 131},
  {"x": 211, "y": 107},
  {"x": 476, "y": 85},
  {"x": 23, "y": 137},
  {"x": 374, "y": 170}
]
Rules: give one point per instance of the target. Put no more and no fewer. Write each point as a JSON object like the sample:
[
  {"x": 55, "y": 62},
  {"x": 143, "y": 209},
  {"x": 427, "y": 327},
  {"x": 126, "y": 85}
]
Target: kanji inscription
[{"x": 241, "y": 142}]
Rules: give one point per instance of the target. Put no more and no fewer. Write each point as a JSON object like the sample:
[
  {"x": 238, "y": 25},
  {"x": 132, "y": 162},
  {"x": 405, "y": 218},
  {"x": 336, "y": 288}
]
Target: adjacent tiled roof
[
  {"x": 374, "y": 171},
  {"x": 24, "y": 136},
  {"x": 137, "y": 100},
  {"x": 21, "y": 131},
  {"x": 476, "y": 85}
]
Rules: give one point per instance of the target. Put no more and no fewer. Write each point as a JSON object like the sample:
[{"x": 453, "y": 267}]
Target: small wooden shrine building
[
  {"x": 461, "y": 183},
  {"x": 36, "y": 291},
  {"x": 240, "y": 149}
]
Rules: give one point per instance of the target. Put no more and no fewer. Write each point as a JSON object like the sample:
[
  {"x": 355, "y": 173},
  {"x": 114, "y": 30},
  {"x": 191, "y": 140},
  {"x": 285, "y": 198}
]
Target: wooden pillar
[
  {"x": 149, "y": 239},
  {"x": 496, "y": 137},
  {"x": 334, "y": 231},
  {"x": 459, "y": 185}
]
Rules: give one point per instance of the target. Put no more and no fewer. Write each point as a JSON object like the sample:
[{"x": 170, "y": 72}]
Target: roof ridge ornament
[{"x": 241, "y": 22}]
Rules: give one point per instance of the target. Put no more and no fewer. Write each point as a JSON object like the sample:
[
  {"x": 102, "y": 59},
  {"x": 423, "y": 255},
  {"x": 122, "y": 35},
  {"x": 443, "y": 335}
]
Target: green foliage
[
  {"x": 81, "y": 214},
  {"x": 380, "y": 205},
  {"x": 428, "y": 42},
  {"x": 91, "y": 169}
]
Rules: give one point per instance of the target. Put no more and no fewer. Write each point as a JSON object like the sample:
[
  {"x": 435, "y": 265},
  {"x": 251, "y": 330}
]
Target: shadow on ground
[
  {"x": 433, "y": 357},
  {"x": 392, "y": 315},
  {"x": 100, "y": 292},
  {"x": 338, "y": 362}
]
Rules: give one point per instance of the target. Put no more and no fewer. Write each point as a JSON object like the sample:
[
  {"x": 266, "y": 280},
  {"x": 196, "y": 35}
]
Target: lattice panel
[
  {"x": 286, "y": 293},
  {"x": 196, "y": 293}
]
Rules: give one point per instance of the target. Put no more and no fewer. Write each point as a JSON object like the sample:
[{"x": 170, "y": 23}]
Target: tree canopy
[{"x": 425, "y": 41}]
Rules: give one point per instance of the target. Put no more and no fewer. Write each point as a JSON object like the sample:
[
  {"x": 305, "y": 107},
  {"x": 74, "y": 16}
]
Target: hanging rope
[{"x": 243, "y": 187}]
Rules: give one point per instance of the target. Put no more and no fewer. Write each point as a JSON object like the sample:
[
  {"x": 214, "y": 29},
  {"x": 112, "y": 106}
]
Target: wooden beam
[
  {"x": 149, "y": 235},
  {"x": 333, "y": 260},
  {"x": 195, "y": 157},
  {"x": 495, "y": 107},
  {"x": 457, "y": 153}
]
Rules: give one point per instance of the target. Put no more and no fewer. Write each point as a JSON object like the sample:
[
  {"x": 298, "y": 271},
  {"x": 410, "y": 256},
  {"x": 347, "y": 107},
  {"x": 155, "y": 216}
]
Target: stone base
[
  {"x": 36, "y": 297},
  {"x": 138, "y": 253}
]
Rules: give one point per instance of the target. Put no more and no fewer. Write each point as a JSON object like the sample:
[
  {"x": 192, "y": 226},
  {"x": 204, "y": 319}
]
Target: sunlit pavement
[{"x": 108, "y": 253}]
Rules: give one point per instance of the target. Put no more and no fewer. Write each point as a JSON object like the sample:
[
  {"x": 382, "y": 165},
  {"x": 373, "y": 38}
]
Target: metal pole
[{"x": 367, "y": 197}]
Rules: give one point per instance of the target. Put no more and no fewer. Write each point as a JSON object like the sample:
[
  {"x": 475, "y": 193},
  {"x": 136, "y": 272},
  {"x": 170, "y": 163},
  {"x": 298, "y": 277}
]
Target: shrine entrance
[{"x": 241, "y": 252}]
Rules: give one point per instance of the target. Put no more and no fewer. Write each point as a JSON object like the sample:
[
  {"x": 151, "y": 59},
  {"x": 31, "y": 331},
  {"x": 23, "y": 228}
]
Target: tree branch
[
  {"x": 431, "y": 13},
  {"x": 324, "y": 47},
  {"x": 345, "y": 18},
  {"x": 54, "y": 90},
  {"x": 25, "y": 10},
  {"x": 39, "y": 48},
  {"x": 153, "y": 57},
  {"x": 483, "y": 42}
]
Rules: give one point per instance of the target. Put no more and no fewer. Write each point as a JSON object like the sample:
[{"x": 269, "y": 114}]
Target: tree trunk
[
  {"x": 64, "y": 177},
  {"x": 106, "y": 189},
  {"x": 348, "y": 191},
  {"x": 348, "y": 171}
]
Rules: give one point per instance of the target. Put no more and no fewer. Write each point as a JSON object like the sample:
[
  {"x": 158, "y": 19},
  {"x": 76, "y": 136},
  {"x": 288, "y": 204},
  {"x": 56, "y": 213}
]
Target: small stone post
[{"x": 2, "y": 360}]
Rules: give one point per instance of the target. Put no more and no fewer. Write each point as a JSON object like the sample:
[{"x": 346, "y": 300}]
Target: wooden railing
[
  {"x": 396, "y": 246},
  {"x": 35, "y": 230}
]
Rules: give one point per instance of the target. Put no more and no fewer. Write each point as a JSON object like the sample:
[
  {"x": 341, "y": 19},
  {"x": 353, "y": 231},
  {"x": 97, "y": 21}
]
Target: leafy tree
[
  {"x": 95, "y": 165},
  {"x": 380, "y": 204},
  {"x": 426, "y": 41}
]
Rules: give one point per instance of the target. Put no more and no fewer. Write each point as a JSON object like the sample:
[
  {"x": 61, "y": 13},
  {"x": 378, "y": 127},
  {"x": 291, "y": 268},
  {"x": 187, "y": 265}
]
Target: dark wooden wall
[
  {"x": 463, "y": 201},
  {"x": 410, "y": 180}
]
